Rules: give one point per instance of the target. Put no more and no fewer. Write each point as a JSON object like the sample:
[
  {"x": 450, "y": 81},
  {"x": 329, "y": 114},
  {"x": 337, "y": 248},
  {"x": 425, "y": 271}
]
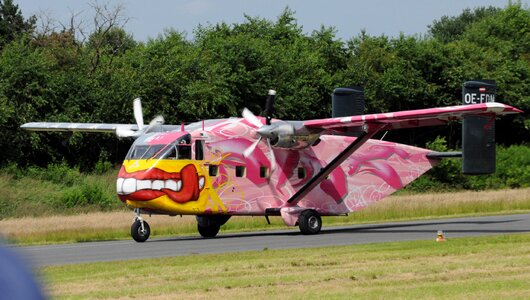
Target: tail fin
[{"x": 478, "y": 131}]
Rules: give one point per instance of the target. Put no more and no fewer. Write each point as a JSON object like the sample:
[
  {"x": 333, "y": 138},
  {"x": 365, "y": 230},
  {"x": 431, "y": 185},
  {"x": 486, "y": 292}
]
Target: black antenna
[{"x": 269, "y": 107}]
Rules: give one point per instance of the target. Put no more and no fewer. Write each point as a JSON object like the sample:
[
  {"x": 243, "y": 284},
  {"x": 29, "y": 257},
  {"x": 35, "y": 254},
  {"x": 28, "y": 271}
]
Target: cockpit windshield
[
  {"x": 179, "y": 149},
  {"x": 143, "y": 151}
]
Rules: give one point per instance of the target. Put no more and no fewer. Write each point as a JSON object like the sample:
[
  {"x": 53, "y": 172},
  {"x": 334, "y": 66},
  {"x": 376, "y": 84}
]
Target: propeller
[
  {"x": 138, "y": 113},
  {"x": 261, "y": 129},
  {"x": 138, "y": 116}
]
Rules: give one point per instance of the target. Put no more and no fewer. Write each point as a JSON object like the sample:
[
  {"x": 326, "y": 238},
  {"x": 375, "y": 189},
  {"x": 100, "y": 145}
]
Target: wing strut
[{"x": 324, "y": 172}]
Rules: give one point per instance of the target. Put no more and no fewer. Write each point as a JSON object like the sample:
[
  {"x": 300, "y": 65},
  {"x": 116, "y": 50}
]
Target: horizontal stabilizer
[{"x": 440, "y": 155}]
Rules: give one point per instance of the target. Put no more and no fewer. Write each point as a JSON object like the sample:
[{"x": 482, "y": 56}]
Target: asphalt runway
[{"x": 344, "y": 235}]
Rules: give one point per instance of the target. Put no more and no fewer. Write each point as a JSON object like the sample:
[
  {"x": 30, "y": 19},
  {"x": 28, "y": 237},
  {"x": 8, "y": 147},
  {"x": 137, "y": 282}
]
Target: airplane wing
[
  {"x": 84, "y": 127},
  {"x": 87, "y": 127},
  {"x": 414, "y": 118},
  {"x": 387, "y": 121}
]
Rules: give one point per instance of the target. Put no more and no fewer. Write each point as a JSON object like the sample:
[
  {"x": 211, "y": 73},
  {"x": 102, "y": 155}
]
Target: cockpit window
[
  {"x": 180, "y": 149},
  {"x": 144, "y": 151}
]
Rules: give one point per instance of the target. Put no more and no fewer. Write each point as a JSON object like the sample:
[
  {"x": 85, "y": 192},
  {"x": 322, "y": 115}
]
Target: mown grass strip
[
  {"x": 485, "y": 268},
  {"x": 116, "y": 225}
]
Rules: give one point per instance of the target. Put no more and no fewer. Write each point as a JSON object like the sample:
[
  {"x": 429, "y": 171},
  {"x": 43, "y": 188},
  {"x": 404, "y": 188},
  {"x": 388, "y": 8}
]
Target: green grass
[
  {"x": 97, "y": 226},
  {"x": 59, "y": 204},
  {"x": 45, "y": 194},
  {"x": 485, "y": 268}
]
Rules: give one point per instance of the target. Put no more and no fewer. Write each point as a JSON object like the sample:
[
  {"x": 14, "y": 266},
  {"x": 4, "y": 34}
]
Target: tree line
[{"x": 69, "y": 73}]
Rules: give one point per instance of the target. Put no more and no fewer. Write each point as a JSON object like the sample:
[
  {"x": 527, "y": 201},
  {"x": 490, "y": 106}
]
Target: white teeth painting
[{"x": 126, "y": 186}]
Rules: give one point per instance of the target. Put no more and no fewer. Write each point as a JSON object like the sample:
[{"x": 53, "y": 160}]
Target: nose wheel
[{"x": 140, "y": 230}]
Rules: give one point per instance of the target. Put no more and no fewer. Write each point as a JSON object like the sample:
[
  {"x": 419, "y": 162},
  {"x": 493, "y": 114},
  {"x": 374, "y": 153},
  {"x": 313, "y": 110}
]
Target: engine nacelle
[
  {"x": 283, "y": 134},
  {"x": 295, "y": 141}
]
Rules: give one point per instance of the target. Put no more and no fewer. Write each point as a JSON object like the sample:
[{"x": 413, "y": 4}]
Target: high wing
[
  {"x": 413, "y": 118},
  {"x": 83, "y": 127},
  {"x": 369, "y": 125},
  {"x": 121, "y": 130}
]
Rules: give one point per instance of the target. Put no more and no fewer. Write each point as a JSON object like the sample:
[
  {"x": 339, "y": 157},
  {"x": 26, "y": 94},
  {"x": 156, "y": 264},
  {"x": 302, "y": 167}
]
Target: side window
[
  {"x": 301, "y": 173},
  {"x": 213, "y": 169},
  {"x": 263, "y": 172},
  {"x": 184, "y": 151},
  {"x": 199, "y": 152},
  {"x": 240, "y": 171}
]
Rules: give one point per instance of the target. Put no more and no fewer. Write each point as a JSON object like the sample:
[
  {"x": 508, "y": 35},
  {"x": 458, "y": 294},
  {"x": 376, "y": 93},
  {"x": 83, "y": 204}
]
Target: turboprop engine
[
  {"x": 287, "y": 134},
  {"x": 280, "y": 134}
]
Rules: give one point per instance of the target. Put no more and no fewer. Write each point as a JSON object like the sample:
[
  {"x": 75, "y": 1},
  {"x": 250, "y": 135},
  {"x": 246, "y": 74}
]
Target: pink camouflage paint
[{"x": 373, "y": 172}]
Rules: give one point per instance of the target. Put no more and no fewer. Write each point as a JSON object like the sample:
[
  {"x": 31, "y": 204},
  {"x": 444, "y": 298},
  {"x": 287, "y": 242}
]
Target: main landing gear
[
  {"x": 208, "y": 226},
  {"x": 140, "y": 230},
  {"x": 309, "y": 222}
]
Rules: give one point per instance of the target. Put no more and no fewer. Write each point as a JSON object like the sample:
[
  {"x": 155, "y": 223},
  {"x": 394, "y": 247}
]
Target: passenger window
[
  {"x": 213, "y": 169},
  {"x": 301, "y": 173},
  {"x": 263, "y": 172},
  {"x": 240, "y": 171},
  {"x": 199, "y": 153}
]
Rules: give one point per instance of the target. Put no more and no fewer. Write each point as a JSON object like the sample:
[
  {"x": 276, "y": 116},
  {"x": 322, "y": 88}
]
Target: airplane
[{"x": 261, "y": 166}]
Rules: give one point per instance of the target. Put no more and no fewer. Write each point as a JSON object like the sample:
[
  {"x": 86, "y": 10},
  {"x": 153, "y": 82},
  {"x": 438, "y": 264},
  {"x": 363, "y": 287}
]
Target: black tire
[
  {"x": 309, "y": 222},
  {"x": 208, "y": 231},
  {"x": 136, "y": 231}
]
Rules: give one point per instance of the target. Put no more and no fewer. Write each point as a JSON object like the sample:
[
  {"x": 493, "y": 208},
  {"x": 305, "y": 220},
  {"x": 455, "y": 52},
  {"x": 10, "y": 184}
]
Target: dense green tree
[
  {"x": 450, "y": 29},
  {"x": 56, "y": 76},
  {"x": 12, "y": 23}
]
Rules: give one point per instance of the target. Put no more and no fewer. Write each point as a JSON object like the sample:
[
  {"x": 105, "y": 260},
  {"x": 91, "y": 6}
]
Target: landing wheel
[
  {"x": 208, "y": 231},
  {"x": 138, "y": 234},
  {"x": 309, "y": 222}
]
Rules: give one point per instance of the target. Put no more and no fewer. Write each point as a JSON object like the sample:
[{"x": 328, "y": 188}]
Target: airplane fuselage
[{"x": 202, "y": 170}]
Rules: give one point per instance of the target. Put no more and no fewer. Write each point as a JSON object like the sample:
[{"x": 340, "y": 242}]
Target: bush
[
  {"x": 103, "y": 164},
  {"x": 86, "y": 194},
  {"x": 512, "y": 171},
  {"x": 57, "y": 173}
]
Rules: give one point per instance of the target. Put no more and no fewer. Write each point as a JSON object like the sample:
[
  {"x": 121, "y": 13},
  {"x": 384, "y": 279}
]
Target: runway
[{"x": 344, "y": 235}]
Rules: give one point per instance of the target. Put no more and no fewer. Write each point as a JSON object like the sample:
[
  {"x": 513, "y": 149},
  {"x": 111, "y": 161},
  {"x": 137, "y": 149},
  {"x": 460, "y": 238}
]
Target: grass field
[
  {"x": 472, "y": 268},
  {"x": 116, "y": 225}
]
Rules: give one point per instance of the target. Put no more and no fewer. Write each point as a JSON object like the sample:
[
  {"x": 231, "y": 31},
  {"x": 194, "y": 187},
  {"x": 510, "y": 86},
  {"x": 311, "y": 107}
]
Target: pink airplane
[{"x": 260, "y": 166}]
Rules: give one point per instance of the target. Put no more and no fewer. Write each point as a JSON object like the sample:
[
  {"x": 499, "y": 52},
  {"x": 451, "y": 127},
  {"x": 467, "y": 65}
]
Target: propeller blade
[
  {"x": 251, "y": 148},
  {"x": 272, "y": 158},
  {"x": 122, "y": 133},
  {"x": 269, "y": 107},
  {"x": 251, "y": 118},
  {"x": 138, "y": 114}
]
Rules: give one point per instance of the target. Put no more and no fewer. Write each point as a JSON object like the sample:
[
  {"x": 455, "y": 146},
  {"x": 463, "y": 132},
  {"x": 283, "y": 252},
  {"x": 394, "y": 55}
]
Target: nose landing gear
[{"x": 140, "y": 230}]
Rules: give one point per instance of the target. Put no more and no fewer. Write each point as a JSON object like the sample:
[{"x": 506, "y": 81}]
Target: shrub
[
  {"x": 87, "y": 194},
  {"x": 512, "y": 171}
]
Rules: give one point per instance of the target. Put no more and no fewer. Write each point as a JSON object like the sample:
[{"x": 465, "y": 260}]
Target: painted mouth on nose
[
  {"x": 125, "y": 186},
  {"x": 152, "y": 183}
]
